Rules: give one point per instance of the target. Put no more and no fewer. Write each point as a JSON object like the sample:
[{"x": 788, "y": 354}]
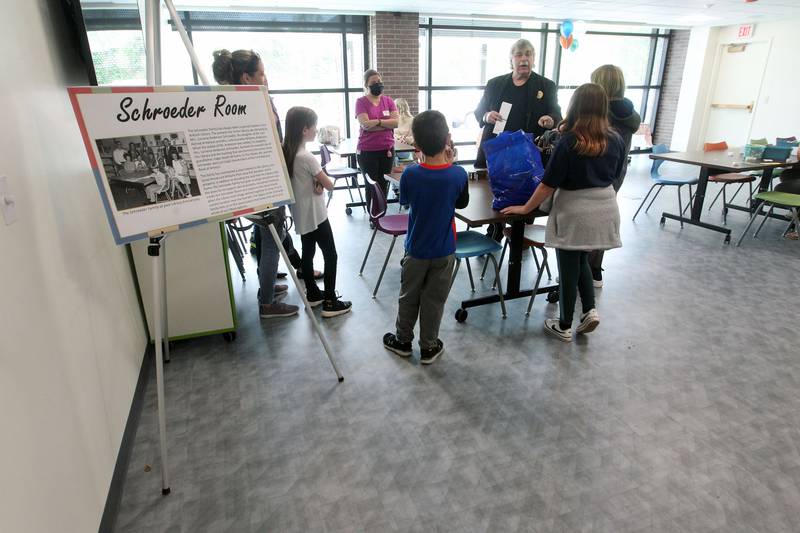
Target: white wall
[
  {"x": 777, "y": 112},
  {"x": 71, "y": 335},
  {"x": 694, "y": 88}
]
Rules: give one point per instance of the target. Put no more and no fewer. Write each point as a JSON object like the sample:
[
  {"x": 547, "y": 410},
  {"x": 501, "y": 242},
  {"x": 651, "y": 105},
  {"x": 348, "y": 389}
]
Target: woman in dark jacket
[{"x": 625, "y": 121}]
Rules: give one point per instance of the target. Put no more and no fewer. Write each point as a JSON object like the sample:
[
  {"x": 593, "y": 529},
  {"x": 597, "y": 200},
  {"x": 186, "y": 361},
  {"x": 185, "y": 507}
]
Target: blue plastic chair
[
  {"x": 474, "y": 244},
  {"x": 661, "y": 182}
]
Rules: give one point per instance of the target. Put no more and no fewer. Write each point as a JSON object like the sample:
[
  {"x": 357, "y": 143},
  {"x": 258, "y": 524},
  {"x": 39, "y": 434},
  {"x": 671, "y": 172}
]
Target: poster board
[{"x": 168, "y": 158}]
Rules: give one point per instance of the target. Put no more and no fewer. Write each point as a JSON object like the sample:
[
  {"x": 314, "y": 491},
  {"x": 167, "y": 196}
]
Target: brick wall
[
  {"x": 394, "y": 52},
  {"x": 671, "y": 86}
]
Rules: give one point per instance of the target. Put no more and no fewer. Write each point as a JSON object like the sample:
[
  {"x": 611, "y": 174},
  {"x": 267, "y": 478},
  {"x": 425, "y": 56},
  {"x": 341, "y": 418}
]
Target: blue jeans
[{"x": 268, "y": 265}]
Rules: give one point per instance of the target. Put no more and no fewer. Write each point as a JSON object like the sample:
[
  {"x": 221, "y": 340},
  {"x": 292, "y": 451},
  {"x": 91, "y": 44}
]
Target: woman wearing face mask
[{"x": 377, "y": 114}]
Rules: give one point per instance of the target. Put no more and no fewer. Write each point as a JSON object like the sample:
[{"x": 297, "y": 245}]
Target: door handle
[{"x": 749, "y": 106}]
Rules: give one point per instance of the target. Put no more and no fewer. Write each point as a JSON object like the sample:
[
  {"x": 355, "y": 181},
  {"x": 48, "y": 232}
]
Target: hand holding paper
[{"x": 500, "y": 125}]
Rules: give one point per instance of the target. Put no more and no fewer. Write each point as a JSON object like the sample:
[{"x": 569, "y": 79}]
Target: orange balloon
[{"x": 566, "y": 42}]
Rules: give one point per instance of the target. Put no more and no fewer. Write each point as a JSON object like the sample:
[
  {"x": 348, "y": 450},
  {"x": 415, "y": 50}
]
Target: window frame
[
  {"x": 545, "y": 31},
  {"x": 206, "y": 20}
]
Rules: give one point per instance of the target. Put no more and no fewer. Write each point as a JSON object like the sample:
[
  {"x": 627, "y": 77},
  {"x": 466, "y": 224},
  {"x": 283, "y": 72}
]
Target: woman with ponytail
[
  {"x": 584, "y": 215},
  {"x": 244, "y": 67}
]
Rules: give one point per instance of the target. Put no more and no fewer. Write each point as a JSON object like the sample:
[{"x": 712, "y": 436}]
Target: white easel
[{"x": 157, "y": 249}]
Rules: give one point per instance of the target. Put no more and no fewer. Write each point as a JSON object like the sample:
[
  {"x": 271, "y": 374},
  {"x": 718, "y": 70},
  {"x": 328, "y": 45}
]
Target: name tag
[{"x": 385, "y": 112}]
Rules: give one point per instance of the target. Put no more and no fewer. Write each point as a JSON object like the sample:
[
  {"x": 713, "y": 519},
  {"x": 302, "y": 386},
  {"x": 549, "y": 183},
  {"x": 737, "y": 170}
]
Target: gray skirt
[{"x": 586, "y": 219}]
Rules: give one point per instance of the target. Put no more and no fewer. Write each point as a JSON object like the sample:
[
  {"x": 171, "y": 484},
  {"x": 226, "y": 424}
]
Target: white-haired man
[{"x": 533, "y": 99}]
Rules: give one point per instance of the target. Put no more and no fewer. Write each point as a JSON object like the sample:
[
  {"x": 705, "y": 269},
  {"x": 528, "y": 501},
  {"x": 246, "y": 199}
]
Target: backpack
[{"x": 546, "y": 143}]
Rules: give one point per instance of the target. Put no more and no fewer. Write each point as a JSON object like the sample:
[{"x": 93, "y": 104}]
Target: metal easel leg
[
  {"x": 164, "y": 316},
  {"x": 301, "y": 291},
  {"x": 153, "y": 250}
]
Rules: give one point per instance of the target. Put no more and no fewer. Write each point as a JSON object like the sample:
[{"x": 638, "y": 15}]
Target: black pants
[
  {"x": 294, "y": 257},
  {"x": 596, "y": 259},
  {"x": 322, "y": 237},
  {"x": 575, "y": 277},
  {"x": 376, "y": 165}
]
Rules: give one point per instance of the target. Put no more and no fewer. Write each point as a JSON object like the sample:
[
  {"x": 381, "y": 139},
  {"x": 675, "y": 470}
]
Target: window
[
  {"x": 311, "y": 60},
  {"x": 628, "y": 53},
  {"x": 117, "y": 45},
  {"x": 118, "y": 57},
  {"x": 465, "y": 54}
]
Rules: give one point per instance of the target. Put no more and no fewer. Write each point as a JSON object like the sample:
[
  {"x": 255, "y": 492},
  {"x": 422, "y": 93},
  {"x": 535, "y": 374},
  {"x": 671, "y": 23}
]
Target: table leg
[
  {"x": 700, "y": 195},
  {"x": 515, "y": 257},
  {"x": 766, "y": 178},
  {"x": 513, "y": 290}
]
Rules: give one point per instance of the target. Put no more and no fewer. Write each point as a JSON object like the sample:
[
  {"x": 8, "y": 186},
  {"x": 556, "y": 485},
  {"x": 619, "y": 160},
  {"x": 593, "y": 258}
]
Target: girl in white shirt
[{"x": 309, "y": 211}]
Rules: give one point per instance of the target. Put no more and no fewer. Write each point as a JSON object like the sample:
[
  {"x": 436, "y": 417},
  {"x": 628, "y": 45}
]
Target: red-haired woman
[{"x": 584, "y": 215}]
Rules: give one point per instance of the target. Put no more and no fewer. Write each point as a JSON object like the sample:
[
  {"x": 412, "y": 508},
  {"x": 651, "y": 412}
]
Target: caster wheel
[
  {"x": 552, "y": 296},
  {"x": 461, "y": 315},
  {"x": 348, "y": 211},
  {"x": 229, "y": 336},
  {"x": 663, "y": 221},
  {"x": 727, "y": 239}
]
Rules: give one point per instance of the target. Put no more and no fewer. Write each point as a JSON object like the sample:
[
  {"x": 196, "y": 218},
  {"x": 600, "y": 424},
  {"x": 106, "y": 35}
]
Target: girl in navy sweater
[{"x": 584, "y": 215}]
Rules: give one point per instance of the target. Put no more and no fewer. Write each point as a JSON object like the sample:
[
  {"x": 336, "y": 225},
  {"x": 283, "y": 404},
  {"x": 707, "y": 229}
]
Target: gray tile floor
[{"x": 680, "y": 413}]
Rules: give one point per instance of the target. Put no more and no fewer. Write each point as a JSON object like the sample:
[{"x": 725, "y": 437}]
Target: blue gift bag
[{"x": 515, "y": 167}]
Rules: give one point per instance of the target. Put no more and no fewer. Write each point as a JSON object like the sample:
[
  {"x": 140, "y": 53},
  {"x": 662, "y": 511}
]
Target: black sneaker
[
  {"x": 597, "y": 276},
  {"x": 390, "y": 342},
  {"x": 314, "y": 297},
  {"x": 281, "y": 275},
  {"x": 331, "y": 308},
  {"x": 429, "y": 355}
]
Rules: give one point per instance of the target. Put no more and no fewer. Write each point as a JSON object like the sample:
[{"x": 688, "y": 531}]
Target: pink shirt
[{"x": 374, "y": 141}]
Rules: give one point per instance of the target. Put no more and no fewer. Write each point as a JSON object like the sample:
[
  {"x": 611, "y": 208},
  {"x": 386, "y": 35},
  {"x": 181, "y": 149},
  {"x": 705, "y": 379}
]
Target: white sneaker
[
  {"x": 552, "y": 326},
  {"x": 589, "y": 321}
]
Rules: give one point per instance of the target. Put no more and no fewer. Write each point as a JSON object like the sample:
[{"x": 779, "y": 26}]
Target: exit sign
[{"x": 746, "y": 31}]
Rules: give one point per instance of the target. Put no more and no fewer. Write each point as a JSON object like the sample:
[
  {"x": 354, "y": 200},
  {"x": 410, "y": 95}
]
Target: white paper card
[{"x": 500, "y": 125}]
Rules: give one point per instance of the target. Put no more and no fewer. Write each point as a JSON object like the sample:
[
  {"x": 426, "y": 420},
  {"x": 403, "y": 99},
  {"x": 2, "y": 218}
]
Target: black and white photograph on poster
[{"x": 148, "y": 169}]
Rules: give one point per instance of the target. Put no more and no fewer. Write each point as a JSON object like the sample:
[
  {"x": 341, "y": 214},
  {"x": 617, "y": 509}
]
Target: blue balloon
[
  {"x": 574, "y": 45},
  {"x": 566, "y": 28}
]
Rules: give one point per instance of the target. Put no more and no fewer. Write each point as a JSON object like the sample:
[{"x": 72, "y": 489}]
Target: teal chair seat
[
  {"x": 474, "y": 244},
  {"x": 660, "y": 180}
]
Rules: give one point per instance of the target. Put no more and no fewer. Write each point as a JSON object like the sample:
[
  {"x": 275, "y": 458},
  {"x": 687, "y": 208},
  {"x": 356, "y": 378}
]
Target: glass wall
[
  {"x": 458, "y": 57},
  {"x": 311, "y": 60},
  {"x": 117, "y": 45}
]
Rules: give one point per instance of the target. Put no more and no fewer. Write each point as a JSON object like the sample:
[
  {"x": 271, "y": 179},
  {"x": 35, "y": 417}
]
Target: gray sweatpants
[{"x": 424, "y": 286}]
